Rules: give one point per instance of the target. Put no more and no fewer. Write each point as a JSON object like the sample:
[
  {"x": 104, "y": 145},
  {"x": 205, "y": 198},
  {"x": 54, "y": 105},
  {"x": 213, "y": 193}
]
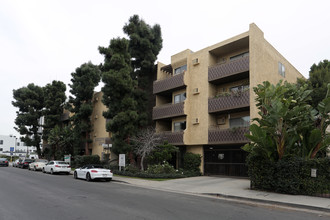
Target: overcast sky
[{"x": 43, "y": 40}]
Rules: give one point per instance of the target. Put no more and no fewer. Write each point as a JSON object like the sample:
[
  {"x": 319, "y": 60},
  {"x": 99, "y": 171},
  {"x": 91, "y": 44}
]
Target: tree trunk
[{"x": 141, "y": 163}]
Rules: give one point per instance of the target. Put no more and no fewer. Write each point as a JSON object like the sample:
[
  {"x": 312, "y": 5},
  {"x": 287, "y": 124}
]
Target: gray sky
[{"x": 43, "y": 40}]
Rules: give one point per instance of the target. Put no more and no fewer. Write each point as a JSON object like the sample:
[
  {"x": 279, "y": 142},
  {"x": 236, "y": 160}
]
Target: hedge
[{"x": 291, "y": 175}]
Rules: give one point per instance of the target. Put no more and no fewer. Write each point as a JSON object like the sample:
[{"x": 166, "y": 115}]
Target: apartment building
[
  {"x": 205, "y": 101},
  {"x": 101, "y": 144}
]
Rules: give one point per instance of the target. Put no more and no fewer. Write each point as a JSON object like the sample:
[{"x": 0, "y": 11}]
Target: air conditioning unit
[
  {"x": 196, "y": 121},
  {"x": 195, "y": 91},
  {"x": 195, "y": 61},
  {"x": 221, "y": 121}
]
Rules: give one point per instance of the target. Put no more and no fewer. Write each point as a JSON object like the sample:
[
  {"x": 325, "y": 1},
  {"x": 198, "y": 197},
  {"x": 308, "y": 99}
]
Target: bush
[
  {"x": 164, "y": 168},
  {"x": 290, "y": 175},
  {"x": 192, "y": 161},
  {"x": 80, "y": 161}
]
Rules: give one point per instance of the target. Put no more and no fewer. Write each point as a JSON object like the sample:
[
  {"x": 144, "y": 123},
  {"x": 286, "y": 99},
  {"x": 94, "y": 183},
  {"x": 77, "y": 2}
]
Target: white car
[
  {"x": 56, "y": 166},
  {"x": 38, "y": 164},
  {"x": 92, "y": 172}
]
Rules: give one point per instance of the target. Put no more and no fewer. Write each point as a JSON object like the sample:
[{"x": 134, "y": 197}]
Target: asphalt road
[{"x": 33, "y": 195}]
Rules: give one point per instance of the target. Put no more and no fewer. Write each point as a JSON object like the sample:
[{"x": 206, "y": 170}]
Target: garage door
[{"x": 225, "y": 160}]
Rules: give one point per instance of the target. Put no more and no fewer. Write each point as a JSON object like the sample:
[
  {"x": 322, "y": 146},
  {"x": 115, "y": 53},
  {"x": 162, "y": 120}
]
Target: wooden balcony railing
[
  {"x": 230, "y": 68},
  {"x": 172, "y": 82},
  {"x": 175, "y": 138},
  {"x": 228, "y": 136},
  {"x": 232, "y": 101},
  {"x": 168, "y": 111}
]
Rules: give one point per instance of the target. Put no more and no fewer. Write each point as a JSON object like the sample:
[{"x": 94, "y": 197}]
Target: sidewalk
[{"x": 232, "y": 188}]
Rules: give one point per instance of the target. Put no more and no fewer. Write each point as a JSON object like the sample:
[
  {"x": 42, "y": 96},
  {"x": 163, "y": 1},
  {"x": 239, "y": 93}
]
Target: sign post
[
  {"x": 121, "y": 161},
  {"x": 11, "y": 154}
]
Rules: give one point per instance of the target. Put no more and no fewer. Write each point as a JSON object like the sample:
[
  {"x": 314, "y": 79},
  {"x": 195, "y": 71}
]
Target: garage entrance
[{"x": 225, "y": 160}]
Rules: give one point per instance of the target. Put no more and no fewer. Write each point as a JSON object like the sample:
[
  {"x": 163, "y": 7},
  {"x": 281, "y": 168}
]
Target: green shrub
[
  {"x": 164, "y": 168},
  {"x": 162, "y": 153},
  {"x": 192, "y": 161},
  {"x": 80, "y": 161},
  {"x": 291, "y": 175}
]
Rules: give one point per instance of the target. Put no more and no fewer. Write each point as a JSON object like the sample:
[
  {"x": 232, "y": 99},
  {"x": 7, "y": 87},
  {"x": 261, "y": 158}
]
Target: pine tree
[
  {"x": 30, "y": 103},
  {"x": 54, "y": 105},
  {"x": 84, "y": 80},
  {"x": 145, "y": 43},
  {"x": 118, "y": 94}
]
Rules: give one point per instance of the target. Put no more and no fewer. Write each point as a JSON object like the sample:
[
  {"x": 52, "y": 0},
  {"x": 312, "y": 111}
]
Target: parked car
[
  {"x": 38, "y": 164},
  {"x": 56, "y": 166},
  {"x": 92, "y": 172},
  {"x": 17, "y": 162},
  {"x": 4, "y": 162},
  {"x": 25, "y": 163}
]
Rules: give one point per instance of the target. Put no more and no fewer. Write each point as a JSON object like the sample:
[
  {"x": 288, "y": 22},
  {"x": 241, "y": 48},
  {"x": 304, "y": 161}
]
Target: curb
[
  {"x": 292, "y": 205},
  {"x": 238, "y": 198}
]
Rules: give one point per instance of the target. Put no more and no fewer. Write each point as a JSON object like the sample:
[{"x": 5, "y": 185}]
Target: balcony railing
[
  {"x": 168, "y": 111},
  {"x": 228, "y": 136},
  {"x": 232, "y": 101},
  {"x": 175, "y": 138},
  {"x": 172, "y": 82},
  {"x": 230, "y": 68}
]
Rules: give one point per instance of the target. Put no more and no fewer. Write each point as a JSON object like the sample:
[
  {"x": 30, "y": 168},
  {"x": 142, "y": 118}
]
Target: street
[{"x": 33, "y": 195}]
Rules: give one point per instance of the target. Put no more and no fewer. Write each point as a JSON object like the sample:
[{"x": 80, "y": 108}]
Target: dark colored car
[
  {"x": 4, "y": 162},
  {"x": 25, "y": 163}
]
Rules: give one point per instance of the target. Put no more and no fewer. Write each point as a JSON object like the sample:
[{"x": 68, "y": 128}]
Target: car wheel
[
  {"x": 75, "y": 175},
  {"x": 88, "y": 177},
  {"x": 34, "y": 169},
  {"x": 43, "y": 170},
  {"x": 52, "y": 171}
]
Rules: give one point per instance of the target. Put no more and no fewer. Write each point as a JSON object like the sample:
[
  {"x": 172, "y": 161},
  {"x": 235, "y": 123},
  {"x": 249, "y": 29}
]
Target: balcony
[
  {"x": 175, "y": 138},
  {"x": 170, "y": 83},
  {"x": 231, "y": 69},
  {"x": 235, "y": 100},
  {"x": 168, "y": 111},
  {"x": 228, "y": 136}
]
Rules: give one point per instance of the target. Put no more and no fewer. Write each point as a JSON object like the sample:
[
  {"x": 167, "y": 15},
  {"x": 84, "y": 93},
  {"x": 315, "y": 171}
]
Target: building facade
[
  {"x": 205, "y": 101},
  {"x": 8, "y": 142}
]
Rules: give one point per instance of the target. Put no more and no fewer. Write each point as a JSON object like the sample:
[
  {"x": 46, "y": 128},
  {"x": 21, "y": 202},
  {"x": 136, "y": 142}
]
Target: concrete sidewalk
[{"x": 233, "y": 188}]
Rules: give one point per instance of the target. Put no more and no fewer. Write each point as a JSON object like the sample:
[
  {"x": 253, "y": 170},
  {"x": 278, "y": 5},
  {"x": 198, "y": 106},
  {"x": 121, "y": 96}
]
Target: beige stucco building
[
  {"x": 100, "y": 137},
  {"x": 205, "y": 100}
]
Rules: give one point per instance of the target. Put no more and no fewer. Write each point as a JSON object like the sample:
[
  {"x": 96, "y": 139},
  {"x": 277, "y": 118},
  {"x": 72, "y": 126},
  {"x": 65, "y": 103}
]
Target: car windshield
[
  {"x": 3, "y": 159},
  {"x": 97, "y": 166},
  {"x": 42, "y": 160},
  {"x": 61, "y": 162},
  {"x": 28, "y": 160}
]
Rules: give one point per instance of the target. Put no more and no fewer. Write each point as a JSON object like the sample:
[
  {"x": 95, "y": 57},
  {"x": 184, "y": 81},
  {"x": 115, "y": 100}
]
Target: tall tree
[
  {"x": 30, "y": 103},
  {"x": 118, "y": 94},
  {"x": 145, "y": 43},
  {"x": 84, "y": 80},
  {"x": 54, "y": 105},
  {"x": 319, "y": 77}
]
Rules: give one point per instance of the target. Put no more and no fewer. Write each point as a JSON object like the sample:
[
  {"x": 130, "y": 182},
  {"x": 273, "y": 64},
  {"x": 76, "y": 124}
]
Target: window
[
  {"x": 179, "y": 98},
  {"x": 281, "y": 69},
  {"x": 18, "y": 144},
  {"x": 179, "y": 126},
  {"x": 239, "y": 88},
  {"x": 1, "y": 149},
  {"x": 239, "y": 56},
  {"x": 1, "y": 142},
  {"x": 239, "y": 122},
  {"x": 180, "y": 69}
]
